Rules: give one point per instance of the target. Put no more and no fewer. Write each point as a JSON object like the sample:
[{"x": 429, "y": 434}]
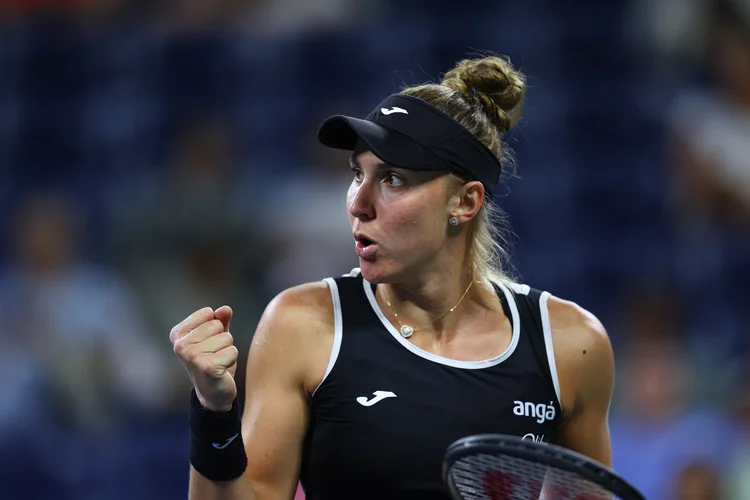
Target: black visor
[{"x": 406, "y": 132}]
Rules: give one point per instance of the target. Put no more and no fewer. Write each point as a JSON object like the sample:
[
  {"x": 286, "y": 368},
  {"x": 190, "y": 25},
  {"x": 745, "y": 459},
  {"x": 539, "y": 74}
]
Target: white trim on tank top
[
  {"x": 520, "y": 289},
  {"x": 469, "y": 365},
  {"x": 547, "y": 330},
  {"x": 338, "y": 330}
]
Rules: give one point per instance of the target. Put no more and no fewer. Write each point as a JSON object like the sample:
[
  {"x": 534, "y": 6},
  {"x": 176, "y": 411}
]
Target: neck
[
  {"x": 425, "y": 305},
  {"x": 432, "y": 297}
]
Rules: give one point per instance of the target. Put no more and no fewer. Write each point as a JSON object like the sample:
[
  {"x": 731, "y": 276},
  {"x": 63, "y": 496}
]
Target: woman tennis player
[{"x": 356, "y": 385}]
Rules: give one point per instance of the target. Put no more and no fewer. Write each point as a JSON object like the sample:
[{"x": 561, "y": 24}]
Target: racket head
[{"x": 496, "y": 466}]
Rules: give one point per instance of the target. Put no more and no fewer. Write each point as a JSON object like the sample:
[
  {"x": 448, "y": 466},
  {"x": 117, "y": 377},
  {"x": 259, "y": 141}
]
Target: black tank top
[{"x": 387, "y": 410}]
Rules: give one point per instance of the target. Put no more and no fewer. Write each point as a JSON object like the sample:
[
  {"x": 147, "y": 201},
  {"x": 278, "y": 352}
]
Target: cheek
[{"x": 416, "y": 225}]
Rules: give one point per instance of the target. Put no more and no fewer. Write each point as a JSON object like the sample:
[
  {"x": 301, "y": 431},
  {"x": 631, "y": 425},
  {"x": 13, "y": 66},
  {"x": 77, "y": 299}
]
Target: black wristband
[{"x": 217, "y": 451}]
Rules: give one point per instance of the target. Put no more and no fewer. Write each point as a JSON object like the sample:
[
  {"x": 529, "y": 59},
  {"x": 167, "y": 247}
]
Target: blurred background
[{"x": 159, "y": 156}]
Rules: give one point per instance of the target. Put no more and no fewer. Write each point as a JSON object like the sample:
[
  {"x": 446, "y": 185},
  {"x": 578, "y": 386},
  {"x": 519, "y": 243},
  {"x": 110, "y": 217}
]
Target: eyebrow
[{"x": 354, "y": 163}]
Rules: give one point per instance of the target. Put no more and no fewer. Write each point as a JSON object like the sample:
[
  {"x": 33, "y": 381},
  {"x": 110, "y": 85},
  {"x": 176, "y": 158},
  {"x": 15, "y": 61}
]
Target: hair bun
[{"x": 494, "y": 84}]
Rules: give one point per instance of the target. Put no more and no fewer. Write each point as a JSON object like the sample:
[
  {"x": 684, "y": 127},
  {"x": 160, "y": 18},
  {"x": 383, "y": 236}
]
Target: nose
[{"x": 361, "y": 201}]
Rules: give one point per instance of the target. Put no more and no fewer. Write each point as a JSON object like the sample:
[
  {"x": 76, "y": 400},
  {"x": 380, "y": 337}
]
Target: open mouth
[{"x": 365, "y": 247}]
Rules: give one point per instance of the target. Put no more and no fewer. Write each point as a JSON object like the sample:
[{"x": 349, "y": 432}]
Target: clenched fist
[{"x": 206, "y": 349}]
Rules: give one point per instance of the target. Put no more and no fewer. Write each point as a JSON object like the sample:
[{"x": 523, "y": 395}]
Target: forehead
[
  {"x": 363, "y": 155},
  {"x": 366, "y": 158},
  {"x": 360, "y": 148}
]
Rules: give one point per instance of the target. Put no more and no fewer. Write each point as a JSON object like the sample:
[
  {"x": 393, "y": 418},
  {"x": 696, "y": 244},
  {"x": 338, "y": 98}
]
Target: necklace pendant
[{"x": 406, "y": 331}]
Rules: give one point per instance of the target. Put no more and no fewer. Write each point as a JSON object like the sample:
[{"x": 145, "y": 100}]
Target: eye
[
  {"x": 394, "y": 180},
  {"x": 358, "y": 174}
]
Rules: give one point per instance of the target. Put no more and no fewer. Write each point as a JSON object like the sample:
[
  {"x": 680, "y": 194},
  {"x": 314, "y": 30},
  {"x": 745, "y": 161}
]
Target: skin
[{"x": 421, "y": 267}]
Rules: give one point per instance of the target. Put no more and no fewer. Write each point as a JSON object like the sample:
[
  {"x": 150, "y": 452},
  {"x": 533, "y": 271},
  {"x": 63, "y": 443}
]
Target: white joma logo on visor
[{"x": 394, "y": 109}]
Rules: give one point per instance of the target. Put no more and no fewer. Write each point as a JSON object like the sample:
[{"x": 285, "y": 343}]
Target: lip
[
  {"x": 362, "y": 237},
  {"x": 365, "y": 252}
]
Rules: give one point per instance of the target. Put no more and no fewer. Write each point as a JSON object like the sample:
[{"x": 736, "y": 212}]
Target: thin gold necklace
[{"x": 407, "y": 330}]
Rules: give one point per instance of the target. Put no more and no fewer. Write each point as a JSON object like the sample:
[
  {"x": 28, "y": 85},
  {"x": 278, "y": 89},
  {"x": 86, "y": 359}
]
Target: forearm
[
  {"x": 218, "y": 459},
  {"x": 205, "y": 489}
]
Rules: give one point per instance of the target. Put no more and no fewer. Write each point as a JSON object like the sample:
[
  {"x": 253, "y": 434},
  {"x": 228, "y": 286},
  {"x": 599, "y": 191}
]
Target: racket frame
[{"x": 541, "y": 453}]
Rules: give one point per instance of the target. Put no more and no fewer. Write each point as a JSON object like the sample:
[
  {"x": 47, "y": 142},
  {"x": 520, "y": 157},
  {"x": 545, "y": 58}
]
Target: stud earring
[{"x": 453, "y": 221}]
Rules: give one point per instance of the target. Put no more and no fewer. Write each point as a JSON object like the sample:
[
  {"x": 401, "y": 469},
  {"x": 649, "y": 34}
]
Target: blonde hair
[{"x": 485, "y": 96}]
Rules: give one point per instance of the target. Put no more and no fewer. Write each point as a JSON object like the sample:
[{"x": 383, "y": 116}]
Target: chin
[{"x": 375, "y": 272}]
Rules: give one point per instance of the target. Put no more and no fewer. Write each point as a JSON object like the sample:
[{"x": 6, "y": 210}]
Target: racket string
[{"x": 500, "y": 477}]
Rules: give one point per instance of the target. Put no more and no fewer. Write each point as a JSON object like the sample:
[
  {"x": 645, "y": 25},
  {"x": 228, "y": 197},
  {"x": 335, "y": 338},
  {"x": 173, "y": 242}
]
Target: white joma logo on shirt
[
  {"x": 379, "y": 396},
  {"x": 540, "y": 411}
]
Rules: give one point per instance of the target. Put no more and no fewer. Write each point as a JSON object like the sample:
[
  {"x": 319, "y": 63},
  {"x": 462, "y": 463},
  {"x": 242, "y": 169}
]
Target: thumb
[{"x": 224, "y": 314}]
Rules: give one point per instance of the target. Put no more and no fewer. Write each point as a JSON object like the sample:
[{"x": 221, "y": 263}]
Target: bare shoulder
[
  {"x": 302, "y": 304},
  {"x": 583, "y": 353},
  {"x": 575, "y": 326},
  {"x": 296, "y": 330}
]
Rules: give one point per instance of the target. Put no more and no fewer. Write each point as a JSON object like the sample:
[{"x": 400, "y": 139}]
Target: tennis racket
[{"x": 499, "y": 467}]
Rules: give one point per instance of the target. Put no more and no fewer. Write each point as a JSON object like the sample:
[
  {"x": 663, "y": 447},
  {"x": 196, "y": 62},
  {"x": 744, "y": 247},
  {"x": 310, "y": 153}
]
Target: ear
[{"x": 467, "y": 202}]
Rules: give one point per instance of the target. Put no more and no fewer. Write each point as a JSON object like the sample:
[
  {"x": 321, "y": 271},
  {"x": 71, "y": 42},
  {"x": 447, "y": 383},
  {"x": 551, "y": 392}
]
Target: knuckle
[
  {"x": 200, "y": 316},
  {"x": 203, "y": 311},
  {"x": 183, "y": 349},
  {"x": 216, "y": 325},
  {"x": 180, "y": 348},
  {"x": 189, "y": 355},
  {"x": 206, "y": 366}
]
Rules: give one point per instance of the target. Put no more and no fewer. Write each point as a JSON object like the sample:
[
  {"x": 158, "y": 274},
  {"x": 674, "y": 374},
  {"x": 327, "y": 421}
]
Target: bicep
[
  {"x": 274, "y": 427},
  {"x": 588, "y": 434},
  {"x": 586, "y": 429},
  {"x": 276, "y": 415}
]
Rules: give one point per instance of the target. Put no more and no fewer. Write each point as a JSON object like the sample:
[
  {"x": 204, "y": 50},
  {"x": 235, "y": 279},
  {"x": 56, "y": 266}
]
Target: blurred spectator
[
  {"x": 99, "y": 15},
  {"x": 192, "y": 239},
  {"x": 710, "y": 192},
  {"x": 656, "y": 431},
  {"x": 738, "y": 483},
  {"x": 293, "y": 17},
  {"x": 72, "y": 329},
  {"x": 712, "y": 125},
  {"x": 309, "y": 224},
  {"x": 671, "y": 34},
  {"x": 698, "y": 481},
  {"x": 277, "y": 18},
  {"x": 197, "y": 15}
]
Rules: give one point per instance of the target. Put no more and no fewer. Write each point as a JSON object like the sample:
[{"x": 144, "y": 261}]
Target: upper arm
[
  {"x": 285, "y": 355},
  {"x": 586, "y": 369}
]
